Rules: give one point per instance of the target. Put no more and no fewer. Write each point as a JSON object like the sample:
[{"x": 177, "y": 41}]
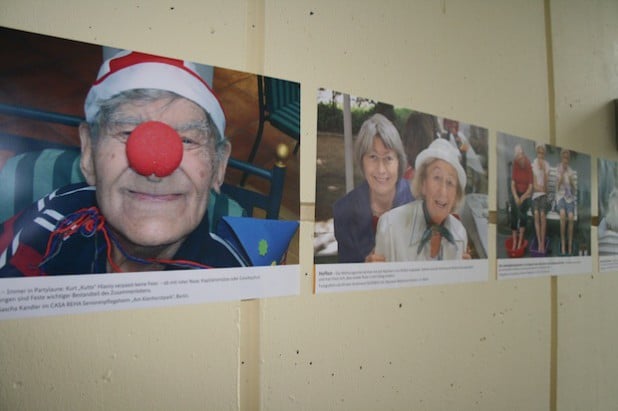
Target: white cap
[
  {"x": 442, "y": 150},
  {"x": 128, "y": 70}
]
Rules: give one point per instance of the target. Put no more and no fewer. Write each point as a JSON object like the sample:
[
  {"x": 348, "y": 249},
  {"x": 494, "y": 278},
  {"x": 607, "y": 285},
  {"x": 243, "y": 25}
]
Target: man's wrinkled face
[{"x": 150, "y": 211}]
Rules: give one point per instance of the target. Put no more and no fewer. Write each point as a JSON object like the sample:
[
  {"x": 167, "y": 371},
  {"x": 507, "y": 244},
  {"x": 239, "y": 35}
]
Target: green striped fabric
[
  {"x": 283, "y": 105},
  {"x": 221, "y": 205},
  {"x": 29, "y": 176}
]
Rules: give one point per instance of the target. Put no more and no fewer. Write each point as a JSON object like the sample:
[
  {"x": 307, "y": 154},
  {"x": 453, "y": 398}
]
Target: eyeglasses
[{"x": 376, "y": 160}]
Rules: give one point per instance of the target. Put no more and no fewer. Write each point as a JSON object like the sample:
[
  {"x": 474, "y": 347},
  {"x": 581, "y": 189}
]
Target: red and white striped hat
[{"x": 128, "y": 70}]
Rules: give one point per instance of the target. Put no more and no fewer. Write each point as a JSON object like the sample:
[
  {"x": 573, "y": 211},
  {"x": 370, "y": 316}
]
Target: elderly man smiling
[{"x": 153, "y": 146}]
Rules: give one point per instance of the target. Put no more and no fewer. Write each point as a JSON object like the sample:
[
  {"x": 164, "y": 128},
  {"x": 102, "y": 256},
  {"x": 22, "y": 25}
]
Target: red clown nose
[{"x": 154, "y": 148}]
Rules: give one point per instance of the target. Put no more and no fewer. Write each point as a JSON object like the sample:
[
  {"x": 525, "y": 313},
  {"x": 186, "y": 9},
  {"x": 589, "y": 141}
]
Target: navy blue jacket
[
  {"x": 353, "y": 221},
  {"x": 24, "y": 248}
]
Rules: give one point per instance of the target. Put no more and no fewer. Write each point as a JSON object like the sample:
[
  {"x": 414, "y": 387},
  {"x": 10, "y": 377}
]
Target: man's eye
[
  {"x": 190, "y": 143},
  {"x": 122, "y": 135}
]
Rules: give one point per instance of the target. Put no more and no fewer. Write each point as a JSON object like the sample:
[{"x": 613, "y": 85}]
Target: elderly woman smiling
[
  {"x": 380, "y": 155},
  {"x": 426, "y": 229}
]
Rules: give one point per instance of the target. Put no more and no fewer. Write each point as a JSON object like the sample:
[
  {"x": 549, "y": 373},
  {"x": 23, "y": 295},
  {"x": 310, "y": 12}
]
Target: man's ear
[
  {"x": 219, "y": 171},
  {"x": 87, "y": 159}
]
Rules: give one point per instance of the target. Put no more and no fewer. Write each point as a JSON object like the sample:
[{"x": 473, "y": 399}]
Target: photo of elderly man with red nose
[{"x": 152, "y": 149}]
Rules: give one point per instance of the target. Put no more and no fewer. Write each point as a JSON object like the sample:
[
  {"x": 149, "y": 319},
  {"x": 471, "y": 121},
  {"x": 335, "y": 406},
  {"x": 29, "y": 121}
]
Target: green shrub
[{"x": 330, "y": 118}]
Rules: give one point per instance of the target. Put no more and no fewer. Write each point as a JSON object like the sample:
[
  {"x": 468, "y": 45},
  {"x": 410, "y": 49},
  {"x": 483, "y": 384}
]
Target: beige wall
[
  {"x": 586, "y": 81},
  {"x": 488, "y": 346}
]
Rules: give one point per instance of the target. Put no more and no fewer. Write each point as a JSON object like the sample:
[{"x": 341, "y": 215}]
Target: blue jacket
[
  {"x": 353, "y": 221},
  {"x": 24, "y": 240}
]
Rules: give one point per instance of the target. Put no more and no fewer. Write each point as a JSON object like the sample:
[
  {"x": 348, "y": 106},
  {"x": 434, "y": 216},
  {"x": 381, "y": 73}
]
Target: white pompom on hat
[
  {"x": 443, "y": 150},
  {"x": 129, "y": 70}
]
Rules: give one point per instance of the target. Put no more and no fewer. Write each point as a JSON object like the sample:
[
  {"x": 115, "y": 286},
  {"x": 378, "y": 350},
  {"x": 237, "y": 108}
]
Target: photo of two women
[{"x": 395, "y": 184}]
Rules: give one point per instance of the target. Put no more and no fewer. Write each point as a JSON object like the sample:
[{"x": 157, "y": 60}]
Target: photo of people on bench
[{"x": 543, "y": 200}]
